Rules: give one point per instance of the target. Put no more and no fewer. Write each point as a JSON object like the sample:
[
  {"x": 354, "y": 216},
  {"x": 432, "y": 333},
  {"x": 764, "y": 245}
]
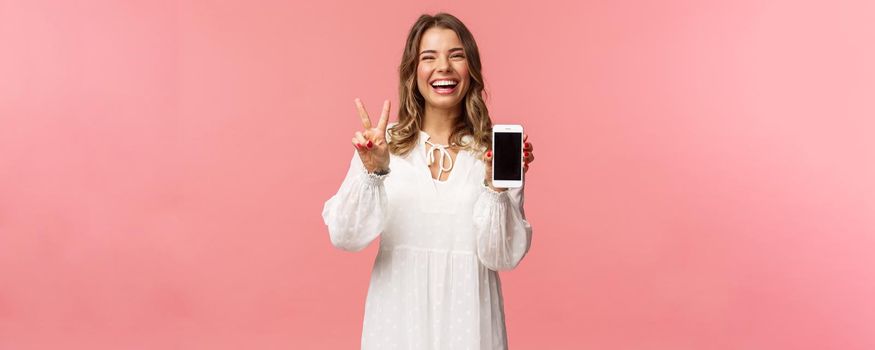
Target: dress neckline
[{"x": 459, "y": 164}]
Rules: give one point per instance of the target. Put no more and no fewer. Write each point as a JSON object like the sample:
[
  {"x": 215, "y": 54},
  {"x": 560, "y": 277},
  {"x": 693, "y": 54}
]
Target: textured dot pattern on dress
[{"x": 435, "y": 282}]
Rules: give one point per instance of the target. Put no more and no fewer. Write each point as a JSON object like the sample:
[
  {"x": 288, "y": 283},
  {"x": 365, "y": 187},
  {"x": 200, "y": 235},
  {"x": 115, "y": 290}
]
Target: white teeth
[{"x": 444, "y": 83}]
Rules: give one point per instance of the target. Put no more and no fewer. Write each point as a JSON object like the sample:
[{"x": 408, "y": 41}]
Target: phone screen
[{"x": 507, "y": 163}]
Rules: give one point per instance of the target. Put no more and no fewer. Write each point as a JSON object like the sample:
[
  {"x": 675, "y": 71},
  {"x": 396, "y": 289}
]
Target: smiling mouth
[{"x": 444, "y": 87}]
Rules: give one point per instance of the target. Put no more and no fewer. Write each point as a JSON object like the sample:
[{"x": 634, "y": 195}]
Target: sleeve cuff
[
  {"x": 373, "y": 179},
  {"x": 493, "y": 194}
]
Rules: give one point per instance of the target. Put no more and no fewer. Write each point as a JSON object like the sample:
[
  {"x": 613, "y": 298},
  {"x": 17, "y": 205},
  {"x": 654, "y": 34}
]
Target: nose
[{"x": 443, "y": 65}]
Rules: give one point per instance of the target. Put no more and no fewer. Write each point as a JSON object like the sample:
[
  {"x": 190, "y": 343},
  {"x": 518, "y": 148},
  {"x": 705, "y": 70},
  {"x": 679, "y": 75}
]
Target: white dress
[{"x": 434, "y": 283}]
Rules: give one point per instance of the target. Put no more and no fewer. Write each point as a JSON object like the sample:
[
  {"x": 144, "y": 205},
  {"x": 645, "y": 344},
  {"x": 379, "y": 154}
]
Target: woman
[{"x": 424, "y": 187}]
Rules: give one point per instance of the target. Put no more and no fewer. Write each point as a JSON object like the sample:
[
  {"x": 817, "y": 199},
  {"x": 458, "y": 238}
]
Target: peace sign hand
[{"x": 371, "y": 142}]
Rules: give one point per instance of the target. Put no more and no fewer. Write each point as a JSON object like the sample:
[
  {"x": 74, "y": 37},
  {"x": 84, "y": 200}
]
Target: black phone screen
[{"x": 507, "y": 162}]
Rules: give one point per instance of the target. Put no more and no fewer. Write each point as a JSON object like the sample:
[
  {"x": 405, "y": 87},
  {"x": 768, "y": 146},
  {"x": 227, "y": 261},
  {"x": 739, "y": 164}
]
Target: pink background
[{"x": 704, "y": 173}]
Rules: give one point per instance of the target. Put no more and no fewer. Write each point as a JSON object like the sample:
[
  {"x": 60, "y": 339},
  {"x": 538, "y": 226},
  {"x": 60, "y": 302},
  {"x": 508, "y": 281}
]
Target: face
[{"x": 442, "y": 71}]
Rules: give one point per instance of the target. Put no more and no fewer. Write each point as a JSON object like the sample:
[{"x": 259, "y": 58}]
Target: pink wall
[{"x": 704, "y": 176}]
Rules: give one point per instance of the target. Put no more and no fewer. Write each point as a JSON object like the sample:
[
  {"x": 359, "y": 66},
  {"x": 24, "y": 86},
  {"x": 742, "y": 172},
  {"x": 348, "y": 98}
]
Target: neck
[{"x": 438, "y": 123}]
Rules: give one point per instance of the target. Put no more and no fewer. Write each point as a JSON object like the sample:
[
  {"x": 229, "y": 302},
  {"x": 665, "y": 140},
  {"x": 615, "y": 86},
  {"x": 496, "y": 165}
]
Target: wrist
[
  {"x": 380, "y": 171},
  {"x": 488, "y": 185}
]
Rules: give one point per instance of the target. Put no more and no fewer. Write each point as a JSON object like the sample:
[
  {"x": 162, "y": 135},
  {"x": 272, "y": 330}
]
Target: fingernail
[
  {"x": 370, "y": 144},
  {"x": 526, "y": 138},
  {"x": 489, "y": 154},
  {"x": 357, "y": 146},
  {"x": 526, "y": 154}
]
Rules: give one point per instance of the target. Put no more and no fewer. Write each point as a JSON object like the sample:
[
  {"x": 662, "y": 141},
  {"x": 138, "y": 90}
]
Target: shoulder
[{"x": 472, "y": 146}]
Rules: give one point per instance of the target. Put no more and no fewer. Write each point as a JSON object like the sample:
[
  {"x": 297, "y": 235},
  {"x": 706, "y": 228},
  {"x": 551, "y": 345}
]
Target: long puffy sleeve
[
  {"x": 356, "y": 215},
  {"x": 503, "y": 233}
]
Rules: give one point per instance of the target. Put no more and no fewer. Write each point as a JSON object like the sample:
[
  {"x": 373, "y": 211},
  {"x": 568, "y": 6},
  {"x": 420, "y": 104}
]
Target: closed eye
[{"x": 453, "y": 56}]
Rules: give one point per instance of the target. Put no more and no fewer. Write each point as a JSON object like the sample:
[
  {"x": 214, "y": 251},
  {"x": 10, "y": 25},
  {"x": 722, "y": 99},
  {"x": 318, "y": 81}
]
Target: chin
[{"x": 445, "y": 102}]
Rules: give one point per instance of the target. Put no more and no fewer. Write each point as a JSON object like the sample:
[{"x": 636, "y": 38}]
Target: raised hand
[{"x": 371, "y": 142}]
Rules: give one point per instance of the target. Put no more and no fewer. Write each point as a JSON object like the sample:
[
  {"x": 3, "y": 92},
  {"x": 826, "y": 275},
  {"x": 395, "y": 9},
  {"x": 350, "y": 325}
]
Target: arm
[
  {"x": 503, "y": 233},
  {"x": 356, "y": 215}
]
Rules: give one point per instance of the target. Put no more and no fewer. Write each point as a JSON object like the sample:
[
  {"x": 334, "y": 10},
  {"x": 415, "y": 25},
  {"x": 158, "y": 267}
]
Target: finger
[
  {"x": 525, "y": 137},
  {"x": 528, "y": 147},
  {"x": 378, "y": 137},
  {"x": 526, "y": 168},
  {"x": 363, "y": 114},
  {"x": 355, "y": 144},
  {"x": 362, "y": 141},
  {"x": 384, "y": 117},
  {"x": 530, "y": 157}
]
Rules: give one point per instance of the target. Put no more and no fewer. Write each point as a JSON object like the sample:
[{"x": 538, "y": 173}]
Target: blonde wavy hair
[{"x": 474, "y": 120}]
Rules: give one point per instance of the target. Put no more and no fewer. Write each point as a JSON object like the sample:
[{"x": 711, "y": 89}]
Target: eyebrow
[{"x": 433, "y": 51}]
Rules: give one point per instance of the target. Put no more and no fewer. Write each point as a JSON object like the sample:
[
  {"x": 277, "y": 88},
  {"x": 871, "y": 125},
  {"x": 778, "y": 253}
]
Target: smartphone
[{"x": 507, "y": 155}]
